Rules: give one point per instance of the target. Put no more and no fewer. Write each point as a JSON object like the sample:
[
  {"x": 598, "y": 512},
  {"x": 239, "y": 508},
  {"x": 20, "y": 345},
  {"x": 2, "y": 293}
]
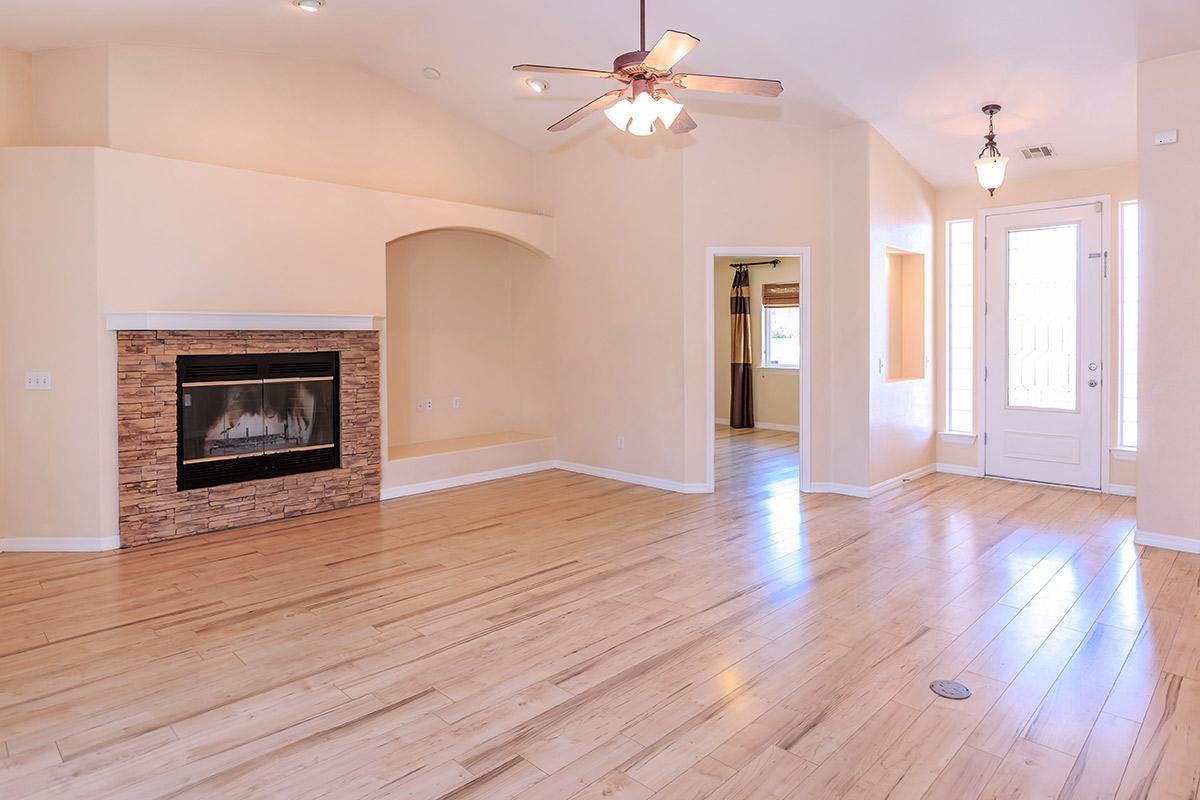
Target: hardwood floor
[{"x": 559, "y": 636}]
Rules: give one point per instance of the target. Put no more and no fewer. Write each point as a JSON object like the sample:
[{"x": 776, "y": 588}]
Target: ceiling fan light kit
[
  {"x": 990, "y": 165},
  {"x": 647, "y": 74}
]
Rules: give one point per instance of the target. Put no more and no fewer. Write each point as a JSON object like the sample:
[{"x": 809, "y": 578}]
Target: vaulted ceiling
[{"x": 918, "y": 71}]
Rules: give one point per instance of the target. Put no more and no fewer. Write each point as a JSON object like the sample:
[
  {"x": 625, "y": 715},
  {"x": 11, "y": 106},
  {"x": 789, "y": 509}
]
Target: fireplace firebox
[{"x": 254, "y": 416}]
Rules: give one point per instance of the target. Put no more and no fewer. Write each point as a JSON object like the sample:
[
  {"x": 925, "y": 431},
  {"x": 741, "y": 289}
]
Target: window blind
[{"x": 778, "y": 295}]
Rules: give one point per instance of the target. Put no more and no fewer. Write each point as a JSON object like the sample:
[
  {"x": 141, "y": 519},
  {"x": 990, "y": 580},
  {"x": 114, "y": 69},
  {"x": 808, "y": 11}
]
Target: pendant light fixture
[{"x": 990, "y": 165}]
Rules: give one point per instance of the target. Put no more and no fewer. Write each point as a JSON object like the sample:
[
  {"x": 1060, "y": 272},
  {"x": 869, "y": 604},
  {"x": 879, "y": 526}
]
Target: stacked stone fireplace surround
[{"x": 152, "y": 509}]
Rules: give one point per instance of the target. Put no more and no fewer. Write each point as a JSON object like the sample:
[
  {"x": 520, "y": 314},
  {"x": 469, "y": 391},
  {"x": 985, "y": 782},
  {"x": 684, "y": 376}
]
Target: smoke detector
[{"x": 1037, "y": 151}]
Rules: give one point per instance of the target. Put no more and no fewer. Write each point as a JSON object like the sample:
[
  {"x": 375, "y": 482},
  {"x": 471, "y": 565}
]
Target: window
[
  {"x": 1043, "y": 317},
  {"x": 1128, "y": 428},
  {"x": 781, "y": 336},
  {"x": 960, "y": 325}
]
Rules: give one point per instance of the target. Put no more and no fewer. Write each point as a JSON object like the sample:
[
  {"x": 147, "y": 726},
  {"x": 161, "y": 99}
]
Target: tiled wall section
[{"x": 151, "y": 509}]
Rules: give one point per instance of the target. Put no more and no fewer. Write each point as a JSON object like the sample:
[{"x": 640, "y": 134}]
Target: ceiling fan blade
[
  {"x": 603, "y": 101},
  {"x": 673, "y": 46},
  {"x": 683, "y": 123},
  {"x": 725, "y": 83},
  {"x": 587, "y": 73}
]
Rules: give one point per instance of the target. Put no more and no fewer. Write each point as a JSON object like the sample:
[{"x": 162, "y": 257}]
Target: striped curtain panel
[{"x": 741, "y": 400}]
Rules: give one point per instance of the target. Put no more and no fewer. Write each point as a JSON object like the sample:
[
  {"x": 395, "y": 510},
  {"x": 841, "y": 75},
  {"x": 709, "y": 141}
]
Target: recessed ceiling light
[
  {"x": 537, "y": 84},
  {"x": 432, "y": 73},
  {"x": 311, "y": 6}
]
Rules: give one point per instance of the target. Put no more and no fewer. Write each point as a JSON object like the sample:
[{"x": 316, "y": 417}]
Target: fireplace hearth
[{"x": 253, "y": 416}]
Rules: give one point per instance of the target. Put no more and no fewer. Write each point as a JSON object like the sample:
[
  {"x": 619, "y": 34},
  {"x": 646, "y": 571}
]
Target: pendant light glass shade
[
  {"x": 668, "y": 110},
  {"x": 619, "y": 113},
  {"x": 645, "y": 111},
  {"x": 637, "y": 116},
  {"x": 990, "y": 170}
]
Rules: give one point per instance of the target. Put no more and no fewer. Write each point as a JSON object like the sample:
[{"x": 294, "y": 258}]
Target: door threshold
[{"x": 1097, "y": 490}]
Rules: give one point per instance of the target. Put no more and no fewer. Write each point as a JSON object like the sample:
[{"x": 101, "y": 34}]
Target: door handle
[{"x": 1093, "y": 383}]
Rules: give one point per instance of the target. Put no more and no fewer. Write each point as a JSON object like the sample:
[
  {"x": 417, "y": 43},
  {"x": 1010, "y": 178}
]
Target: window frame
[
  {"x": 1122, "y": 324},
  {"x": 765, "y": 349},
  {"x": 951, "y": 341}
]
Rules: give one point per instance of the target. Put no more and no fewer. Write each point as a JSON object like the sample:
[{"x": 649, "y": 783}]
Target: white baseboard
[
  {"x": 959, "y": 469},
  {"x": 774, "y": 426},
  {"x": 405, "y": 490},
  {"x": 60, "y": 544},
  {"x": 766, "y": 426},
  {"x": 1167, "y": 541},
  {"x": 892, "y": 483},
  {"x": 865, "y": 492},
  {"x": 641, "y": 480},
  {"x": 840, "y": 488},
  {"x": 1123, "y": 489}
]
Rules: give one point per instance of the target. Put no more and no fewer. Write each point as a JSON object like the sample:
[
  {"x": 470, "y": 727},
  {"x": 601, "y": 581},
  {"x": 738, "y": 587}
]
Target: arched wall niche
[
  {"x": 512, "y": 238},
  {"x": 468, "y": 320}
]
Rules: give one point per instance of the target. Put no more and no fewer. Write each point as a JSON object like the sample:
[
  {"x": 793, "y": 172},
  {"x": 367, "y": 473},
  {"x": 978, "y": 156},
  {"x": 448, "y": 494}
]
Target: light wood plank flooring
[{"x": 559, "y": 636}]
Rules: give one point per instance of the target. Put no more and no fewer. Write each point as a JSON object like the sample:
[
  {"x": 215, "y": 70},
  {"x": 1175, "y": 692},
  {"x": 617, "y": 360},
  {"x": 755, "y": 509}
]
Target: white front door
[{"x": 1043, "y": 374}]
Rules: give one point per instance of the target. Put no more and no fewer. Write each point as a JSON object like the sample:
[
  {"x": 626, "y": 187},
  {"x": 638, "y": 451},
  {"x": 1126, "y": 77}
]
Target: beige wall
[
  {"x": 634, "y": 276},
  {"x": 71, "y": 97},
  {"x": 752, "y": 184},
  {"x": 324, "y": 120},
  {"x": 1169, "y": 343},
  {"x": 848, "y": 299},
  {"x": 776, "y": 391},
  {"x": 452, "y": 304},
  {"x": 16, "y": 98},
  {"x": 53, "y": 480},
  {"x": 615, "y": 201},
  {"x": 93, "y": 231},
  {"x": 1121, "y": 184},
  {"x": 901, "y": 411}
]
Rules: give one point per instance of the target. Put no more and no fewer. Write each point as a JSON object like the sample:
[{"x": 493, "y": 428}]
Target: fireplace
[{"x": 252, "y": 416}]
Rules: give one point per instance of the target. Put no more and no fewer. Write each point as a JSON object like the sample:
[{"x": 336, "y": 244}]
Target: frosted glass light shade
[
  {"x": 620, "y": 113},
  {"x": 641, "y": 127},
  {"x": 991, "y": 171},
  {"x": 668, "y": 110},
  {"x": 645, "y": 111}
]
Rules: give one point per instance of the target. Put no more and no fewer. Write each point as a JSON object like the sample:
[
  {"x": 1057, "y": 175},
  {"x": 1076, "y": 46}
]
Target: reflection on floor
[{"x": 560, "y": 636}]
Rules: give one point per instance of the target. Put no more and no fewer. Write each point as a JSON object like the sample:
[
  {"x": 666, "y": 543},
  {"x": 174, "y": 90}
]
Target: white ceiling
[{"x": 1065, "y": 70}]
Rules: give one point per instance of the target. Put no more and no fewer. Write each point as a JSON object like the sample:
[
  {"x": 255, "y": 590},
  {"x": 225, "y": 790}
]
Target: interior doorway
[
  {"x": 772, "y": 358},
  {"x": 1044, "y": 396}
]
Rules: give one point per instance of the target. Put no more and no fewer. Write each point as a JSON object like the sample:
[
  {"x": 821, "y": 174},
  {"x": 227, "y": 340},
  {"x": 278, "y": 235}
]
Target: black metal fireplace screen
[{"x": 248, "y": 417}]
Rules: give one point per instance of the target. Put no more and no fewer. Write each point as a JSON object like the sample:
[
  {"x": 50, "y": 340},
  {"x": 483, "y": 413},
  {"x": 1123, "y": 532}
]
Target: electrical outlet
[
  {"x": 1166, "y": 137},
  {"x": 456, "y": 402},
  {"x": 429, "y": 405},
  {"x": 38, "y": 381},
  {"x": 620, "y": 442}
]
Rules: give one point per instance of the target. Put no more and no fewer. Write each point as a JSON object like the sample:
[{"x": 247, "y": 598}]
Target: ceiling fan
[{"x": 648, "y": 78}]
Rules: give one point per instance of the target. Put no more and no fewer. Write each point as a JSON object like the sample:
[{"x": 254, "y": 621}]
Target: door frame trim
[
  {"x": 1106, "y": 321},
  {"x": 804, "y": 253}
]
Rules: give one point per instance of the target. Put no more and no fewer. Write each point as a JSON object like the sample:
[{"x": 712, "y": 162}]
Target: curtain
[{"x": 741, "y": 399}]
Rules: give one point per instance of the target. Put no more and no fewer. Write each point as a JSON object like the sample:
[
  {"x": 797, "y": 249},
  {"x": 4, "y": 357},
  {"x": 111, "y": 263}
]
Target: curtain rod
[{"x": 774, "y": 262}]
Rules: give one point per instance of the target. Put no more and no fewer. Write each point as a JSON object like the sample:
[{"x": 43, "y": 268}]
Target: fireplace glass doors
[{"x": 246, "y": 417}]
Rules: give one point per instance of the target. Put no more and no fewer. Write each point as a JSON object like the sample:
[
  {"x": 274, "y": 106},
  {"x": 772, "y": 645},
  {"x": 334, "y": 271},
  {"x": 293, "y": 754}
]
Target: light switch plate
[
  {"x": 1166, "y": 137},
  {"x": 39, "y": 381}
]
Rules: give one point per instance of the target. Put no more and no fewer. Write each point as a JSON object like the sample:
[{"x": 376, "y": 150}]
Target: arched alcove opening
[{"x": 468, "y": 360}]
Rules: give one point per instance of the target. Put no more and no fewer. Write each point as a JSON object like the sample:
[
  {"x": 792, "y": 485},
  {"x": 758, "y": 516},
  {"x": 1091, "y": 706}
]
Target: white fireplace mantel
[{"x": 237, "y": 321}]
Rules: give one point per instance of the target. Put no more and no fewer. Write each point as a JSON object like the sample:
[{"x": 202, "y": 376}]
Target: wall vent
[{"x": 1037, "y": 151}]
